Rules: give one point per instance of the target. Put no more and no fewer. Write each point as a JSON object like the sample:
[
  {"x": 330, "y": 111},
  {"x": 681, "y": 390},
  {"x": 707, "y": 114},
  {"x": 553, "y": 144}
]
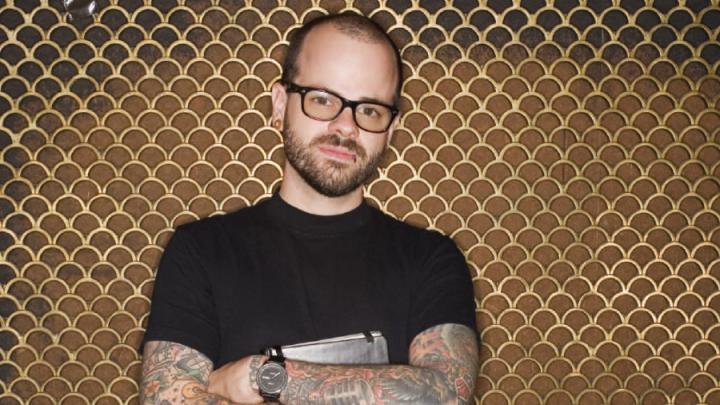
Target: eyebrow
[
  {"x": 361, "y": 99},
  {"x": 375, "y": 101}
]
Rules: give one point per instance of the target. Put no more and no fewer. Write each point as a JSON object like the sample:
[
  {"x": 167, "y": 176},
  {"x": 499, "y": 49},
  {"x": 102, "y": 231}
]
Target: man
[{"x": 315, "y": 261}]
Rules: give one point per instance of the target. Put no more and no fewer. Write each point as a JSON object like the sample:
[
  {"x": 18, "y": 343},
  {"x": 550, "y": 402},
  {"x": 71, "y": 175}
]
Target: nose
[{"x": 344, "y": 124}]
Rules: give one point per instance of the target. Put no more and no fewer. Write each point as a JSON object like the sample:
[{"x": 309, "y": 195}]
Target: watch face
[{"x": 272, "y": 378}]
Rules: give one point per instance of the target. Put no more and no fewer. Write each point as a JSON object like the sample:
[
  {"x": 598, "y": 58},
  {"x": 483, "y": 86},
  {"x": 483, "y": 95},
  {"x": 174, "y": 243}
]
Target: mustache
[{"x": 336, "y": 140}]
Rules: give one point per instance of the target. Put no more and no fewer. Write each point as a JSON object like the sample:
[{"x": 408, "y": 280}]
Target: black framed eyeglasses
[{"x": 324, "y": 105}]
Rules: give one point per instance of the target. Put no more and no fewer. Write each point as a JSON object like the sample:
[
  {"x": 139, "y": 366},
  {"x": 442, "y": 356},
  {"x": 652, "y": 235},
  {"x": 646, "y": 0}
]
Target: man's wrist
[
  {"x": 255, "y": 363},
  {"x": 272, "y": 377}
]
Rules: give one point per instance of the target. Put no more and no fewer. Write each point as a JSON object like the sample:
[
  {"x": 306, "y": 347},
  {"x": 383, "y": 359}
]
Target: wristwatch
[{"x": 272, "y": 377}]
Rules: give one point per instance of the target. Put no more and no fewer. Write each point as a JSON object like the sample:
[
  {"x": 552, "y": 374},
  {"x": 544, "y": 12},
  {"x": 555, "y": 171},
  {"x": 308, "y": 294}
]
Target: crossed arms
[{"x": 444, "y": 363}]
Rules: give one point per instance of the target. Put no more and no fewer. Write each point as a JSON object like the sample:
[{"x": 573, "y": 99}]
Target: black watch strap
[
  {"x": 270, "y": 398},
  {"x": 275, "y": 354}
]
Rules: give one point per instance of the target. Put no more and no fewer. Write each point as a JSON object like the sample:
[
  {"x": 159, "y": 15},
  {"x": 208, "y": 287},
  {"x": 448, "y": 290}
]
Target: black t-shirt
[{"x": 232, "y": 285}]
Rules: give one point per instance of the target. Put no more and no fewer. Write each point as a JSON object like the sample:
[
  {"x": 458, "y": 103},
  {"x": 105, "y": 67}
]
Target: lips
[
  {"x": 338, "y": 153},
  {"x": 338, "y": 149}
]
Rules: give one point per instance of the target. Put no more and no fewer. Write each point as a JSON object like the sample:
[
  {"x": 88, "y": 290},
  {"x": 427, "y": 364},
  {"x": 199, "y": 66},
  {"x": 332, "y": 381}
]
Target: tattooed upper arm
[
  {"x": 451, "y": 349},
  {"x": 174, "y": 373}
]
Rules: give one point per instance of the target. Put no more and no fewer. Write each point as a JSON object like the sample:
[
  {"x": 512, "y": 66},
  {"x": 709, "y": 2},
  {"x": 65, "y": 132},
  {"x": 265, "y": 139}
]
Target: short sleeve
[
  {"x": 182, "y": 308},
  {"x": 442, "y": 291}
]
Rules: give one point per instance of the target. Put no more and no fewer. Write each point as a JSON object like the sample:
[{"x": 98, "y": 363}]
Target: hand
[{"x": 236, "y": 381}]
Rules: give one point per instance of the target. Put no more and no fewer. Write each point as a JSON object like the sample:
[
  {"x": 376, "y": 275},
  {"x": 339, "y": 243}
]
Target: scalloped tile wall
[{"x": 572, "y": 150}]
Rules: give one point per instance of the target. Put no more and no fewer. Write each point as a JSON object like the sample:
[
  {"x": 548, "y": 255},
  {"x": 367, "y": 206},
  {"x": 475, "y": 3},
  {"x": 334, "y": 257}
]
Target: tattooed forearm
[
  {"x": 444, "y": 364},
  {"x": 255, "y": 364},
  {"x": 318, "y": 384},
  {"x": 174, "y": 374}
]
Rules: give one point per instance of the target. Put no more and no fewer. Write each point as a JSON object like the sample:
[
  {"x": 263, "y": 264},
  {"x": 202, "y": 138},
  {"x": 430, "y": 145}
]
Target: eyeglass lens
[{"x": 324, "y": 106}]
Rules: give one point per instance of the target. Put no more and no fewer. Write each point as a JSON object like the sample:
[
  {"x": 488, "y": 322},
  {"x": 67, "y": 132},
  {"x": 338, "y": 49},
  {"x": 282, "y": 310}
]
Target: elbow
[
  {"x": 464, "y": 390},
  {"x": 449, "y": 398},
  {"x": 458, "y": 398},
  {"x": 451, "y": 389}
]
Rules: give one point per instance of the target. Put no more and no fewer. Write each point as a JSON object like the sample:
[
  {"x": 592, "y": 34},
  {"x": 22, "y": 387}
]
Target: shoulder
[
  {"x": 225, "y": 223},
  {"x": 212, "y": 233},
  {"x": 421, "y": 241}
]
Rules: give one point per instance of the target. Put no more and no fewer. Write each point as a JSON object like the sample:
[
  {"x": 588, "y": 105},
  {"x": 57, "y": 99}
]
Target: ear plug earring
[{"x": 277, "y": 124}]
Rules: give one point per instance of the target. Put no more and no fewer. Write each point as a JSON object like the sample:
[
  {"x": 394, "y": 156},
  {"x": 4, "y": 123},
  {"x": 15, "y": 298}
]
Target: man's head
[
  {"x": 337, "y": 99},
  {"x": 353, "y": 25}
]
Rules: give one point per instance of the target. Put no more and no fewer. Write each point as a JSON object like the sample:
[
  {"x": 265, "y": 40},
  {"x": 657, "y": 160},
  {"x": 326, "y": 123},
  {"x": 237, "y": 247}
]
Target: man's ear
[
  {"x": 391, "y": 130},
  {"x": 279, "y": 101}
]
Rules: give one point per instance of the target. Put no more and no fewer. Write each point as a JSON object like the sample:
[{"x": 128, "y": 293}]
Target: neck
[{"x": 295, "y": 191}]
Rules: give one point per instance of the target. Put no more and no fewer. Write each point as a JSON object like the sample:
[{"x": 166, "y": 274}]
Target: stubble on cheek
[{"x": 329, "y": 176}]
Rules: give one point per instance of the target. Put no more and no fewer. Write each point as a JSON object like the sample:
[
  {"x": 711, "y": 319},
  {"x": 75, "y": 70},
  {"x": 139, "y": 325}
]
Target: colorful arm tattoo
[
  {"x": 444, "y": 362},
  {"x": 174, "y": 374}
]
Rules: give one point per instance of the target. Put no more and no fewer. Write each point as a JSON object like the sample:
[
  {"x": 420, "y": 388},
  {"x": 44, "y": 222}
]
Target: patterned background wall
[{"x": 571, "y": 150}]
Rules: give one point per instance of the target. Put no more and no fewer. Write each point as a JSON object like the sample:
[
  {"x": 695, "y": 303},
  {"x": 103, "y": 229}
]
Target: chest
[{"x": 290, "y": 289}]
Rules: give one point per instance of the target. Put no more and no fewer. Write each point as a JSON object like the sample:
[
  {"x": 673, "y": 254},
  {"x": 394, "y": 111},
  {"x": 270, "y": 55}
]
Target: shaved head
[{"x": 353, "y": 25}]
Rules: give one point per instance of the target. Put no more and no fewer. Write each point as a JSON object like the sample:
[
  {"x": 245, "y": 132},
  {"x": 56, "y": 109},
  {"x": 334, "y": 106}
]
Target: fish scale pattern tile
[{"x": 570, "y": 148}]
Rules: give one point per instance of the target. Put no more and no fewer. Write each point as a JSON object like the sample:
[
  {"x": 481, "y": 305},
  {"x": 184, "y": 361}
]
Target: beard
[{"x": 329, "y": 177}]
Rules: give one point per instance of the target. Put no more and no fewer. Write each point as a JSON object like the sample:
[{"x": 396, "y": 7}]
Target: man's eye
[
  {"x": 370, "y": 112},
  {"x": 321, "y": 100}
]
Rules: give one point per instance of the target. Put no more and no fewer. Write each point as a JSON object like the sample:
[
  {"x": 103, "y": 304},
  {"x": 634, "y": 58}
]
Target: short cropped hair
[{"x": 349, "y": 23}]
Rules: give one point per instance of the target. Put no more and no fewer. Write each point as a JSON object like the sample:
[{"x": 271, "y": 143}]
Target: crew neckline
[{"x": 304, "y": 222}]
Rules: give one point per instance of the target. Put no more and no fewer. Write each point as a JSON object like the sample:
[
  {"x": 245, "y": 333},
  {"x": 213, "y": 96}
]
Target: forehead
[{"x": 353, "y": 66}]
